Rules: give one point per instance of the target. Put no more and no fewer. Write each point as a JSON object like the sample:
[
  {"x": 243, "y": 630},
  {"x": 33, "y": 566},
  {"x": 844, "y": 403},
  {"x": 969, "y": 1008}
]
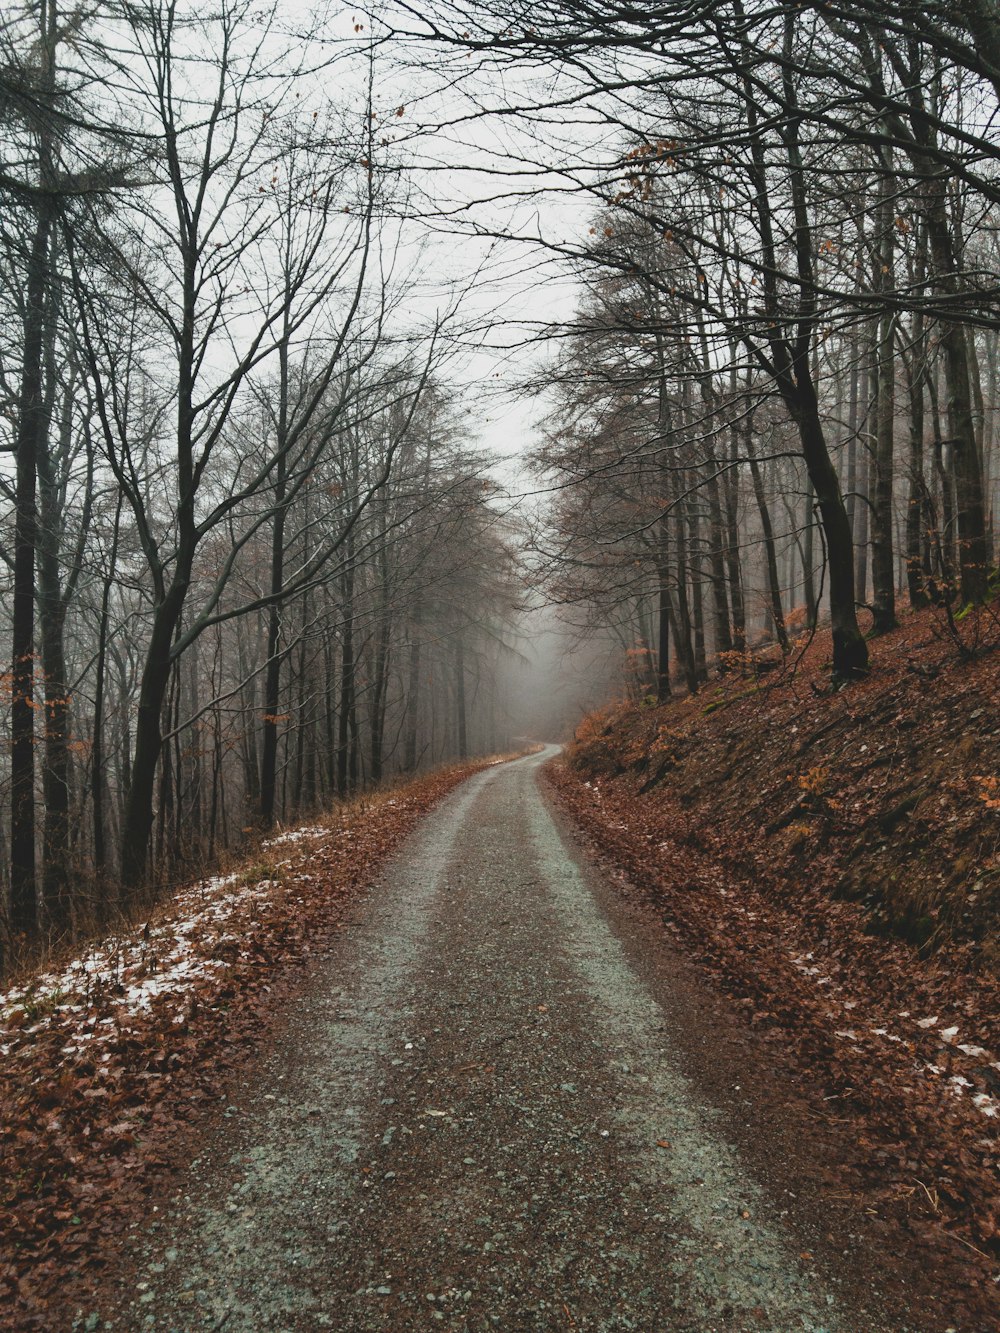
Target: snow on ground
[
  {"x": 295, "y": 835},
  {"x": 126, "y": 971},
  {"x": 957, "y": 1084}
]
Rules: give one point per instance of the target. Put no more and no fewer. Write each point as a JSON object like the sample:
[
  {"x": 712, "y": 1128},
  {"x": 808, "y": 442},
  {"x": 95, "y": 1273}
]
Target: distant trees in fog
[
  {"x": 778, "y": 396},
  {"x": 251, "y": 562}
]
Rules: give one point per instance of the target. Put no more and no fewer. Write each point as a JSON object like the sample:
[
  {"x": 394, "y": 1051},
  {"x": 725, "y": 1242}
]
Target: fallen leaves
[
  {"x": 101, "y": 1063},
  {"x": 843, "y": 1003}
]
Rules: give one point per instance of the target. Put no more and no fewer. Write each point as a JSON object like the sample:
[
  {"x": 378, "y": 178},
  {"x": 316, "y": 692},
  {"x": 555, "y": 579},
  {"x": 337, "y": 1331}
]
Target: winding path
[{"x": 476, "y": 1120}]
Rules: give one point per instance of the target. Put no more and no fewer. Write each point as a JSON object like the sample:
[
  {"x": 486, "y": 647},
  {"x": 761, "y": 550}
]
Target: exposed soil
[{"x": 503, "y": 1099}]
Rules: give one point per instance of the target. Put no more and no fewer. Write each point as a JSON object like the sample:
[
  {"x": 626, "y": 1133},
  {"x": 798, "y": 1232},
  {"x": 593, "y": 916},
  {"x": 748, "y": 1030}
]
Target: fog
[{"x": 558, "y": 675}]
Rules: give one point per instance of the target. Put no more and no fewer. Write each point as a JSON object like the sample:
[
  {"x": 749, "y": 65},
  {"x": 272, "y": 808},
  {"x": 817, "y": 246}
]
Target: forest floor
[{"x": 832, "y": 859}]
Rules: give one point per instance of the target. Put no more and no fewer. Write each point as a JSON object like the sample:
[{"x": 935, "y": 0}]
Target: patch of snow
[
  {"x": 926, "y": 1022},
  {"x": 127, "y": 972},
  {"x": 296, "y": 835}
]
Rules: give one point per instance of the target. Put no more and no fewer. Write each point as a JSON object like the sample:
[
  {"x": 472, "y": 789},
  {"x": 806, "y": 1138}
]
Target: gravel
[{"x": 478, "y": 1118}]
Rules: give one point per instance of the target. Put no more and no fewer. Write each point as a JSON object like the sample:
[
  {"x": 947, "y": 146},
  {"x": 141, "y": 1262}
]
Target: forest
[
  {"x": 255, "y": 551},
  {"x": 252, "y": 558},
  {"x": 499, "y": 604}
]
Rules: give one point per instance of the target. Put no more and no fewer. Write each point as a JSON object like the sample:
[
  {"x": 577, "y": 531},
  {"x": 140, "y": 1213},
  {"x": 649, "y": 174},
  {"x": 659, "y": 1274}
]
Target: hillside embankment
[{"x": 833, "y": 858}]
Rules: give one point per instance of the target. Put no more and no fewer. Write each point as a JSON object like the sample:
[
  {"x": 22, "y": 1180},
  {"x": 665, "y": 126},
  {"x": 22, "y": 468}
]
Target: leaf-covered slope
[
  {"x": 884, "y": 793},
  {"x": 832, "y": 860}
]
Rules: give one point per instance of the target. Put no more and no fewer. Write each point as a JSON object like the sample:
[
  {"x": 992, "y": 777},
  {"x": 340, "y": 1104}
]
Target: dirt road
[{"x": 480, "y": 1117}]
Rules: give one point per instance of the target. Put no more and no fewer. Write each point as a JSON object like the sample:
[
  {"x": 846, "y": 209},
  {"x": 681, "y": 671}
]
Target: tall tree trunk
[
  {"x": 272, "y": 674},
  {"x": 299, "y": 783},
  {"x": 97, "y": 776},
  {"x": 345, "y": 776},
  {"x": 989, "y": 437},
  {"x": 156, "y": 672},
  {"x": 767, "y": 531},
  {"x": 697, "y": 589},
  {"x": 883, "y": 573},
  {"x": 273, "y": 721},
  {"x": 381, "y": 650},
  {"x": 32, "y": 423},
  {"x": 853, "y": 427},
  {"x": 55, "y": 594},
  {"x": 883, "y": 564},
  {"x": 461, "y": 723},
  {"x": 662, "y": 634},
  {"x": 734, "y": 564},
  {"x": 248, "y": 736},
  {"x": 680, "y": 619},
  {"x": 916, "y": 498},
  {"x": 734, "y": 570},
  {"x": 218, "y": 795},
  {"x": 191, "y": 808},
  {"x": 850, "y": 652},
  {"x": 791, "y": 366},
  {"x": 944, "y": 530},
  {"x": 865, "y": 476},
  {"x": 378, "y": 702},
  {"x": 808, "y": 558},
  {"x": 973, "y": 553},
  {"x": 716, "y": 540},
  {"x": 717, "y": 562},
  {"x": 978, "y": 402},
  {"x": 138, "y": 822},
  {"x": 412, "y": 691},
  {"x": 330, "y": 710}
]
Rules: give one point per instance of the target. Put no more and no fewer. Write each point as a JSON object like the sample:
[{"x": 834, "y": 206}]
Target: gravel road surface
[{"x": 477, "y": 1119}]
